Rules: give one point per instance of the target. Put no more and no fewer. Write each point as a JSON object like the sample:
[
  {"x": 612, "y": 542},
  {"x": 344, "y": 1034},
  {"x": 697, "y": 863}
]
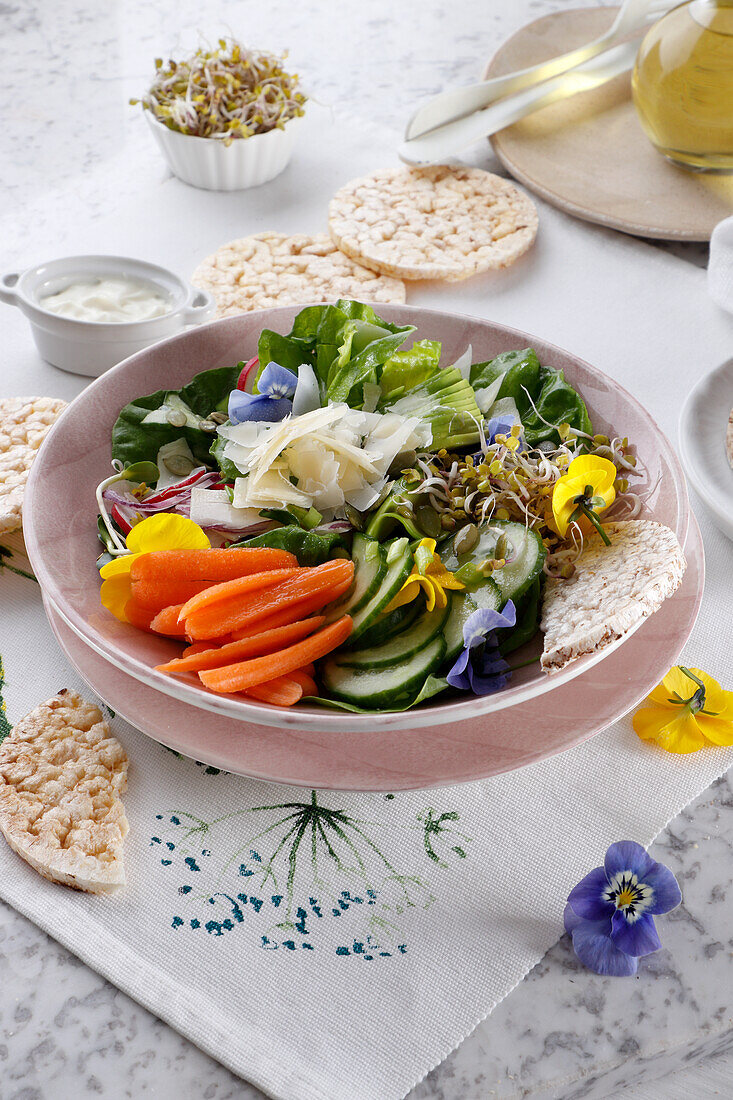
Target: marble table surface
[{"x": 64, "y": 1031}]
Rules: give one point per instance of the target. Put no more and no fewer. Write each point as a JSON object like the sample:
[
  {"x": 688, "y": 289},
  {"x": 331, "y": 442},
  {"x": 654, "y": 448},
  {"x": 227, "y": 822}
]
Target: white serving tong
[{"x": 440, "y": 128}]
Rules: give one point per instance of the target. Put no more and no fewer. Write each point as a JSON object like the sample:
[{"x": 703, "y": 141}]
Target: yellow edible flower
[
  {"x": 430, "y": 574},
  {"x": 164, "y": 531},
  {"x": 585, "y": 489},
  {"x": 688, "y": 710}
]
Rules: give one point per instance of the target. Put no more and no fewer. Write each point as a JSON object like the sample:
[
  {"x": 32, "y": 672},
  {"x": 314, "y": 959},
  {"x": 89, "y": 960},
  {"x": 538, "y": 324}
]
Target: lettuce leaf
[
  {"x": 133, "y": 441},
  {"x": 346, "y": 344},
  {"x": 407, "y": 369},
  {"x": 289, "y": 352}
]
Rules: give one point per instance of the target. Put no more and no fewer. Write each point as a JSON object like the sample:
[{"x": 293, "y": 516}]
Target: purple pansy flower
[
  {"x": 276, "y": 385},
  {"x": 610, "y": 913},
  {"x": 480, "y": 667}
]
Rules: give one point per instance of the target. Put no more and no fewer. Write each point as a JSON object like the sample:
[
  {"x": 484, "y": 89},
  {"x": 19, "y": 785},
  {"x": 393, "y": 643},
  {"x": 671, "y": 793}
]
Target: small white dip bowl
[
  {"x": 209, "y": 163},
  {"x": 91, "y": 347}
]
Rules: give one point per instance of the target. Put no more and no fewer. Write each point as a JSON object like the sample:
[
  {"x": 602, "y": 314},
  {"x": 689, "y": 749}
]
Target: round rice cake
[
  {"x": 24, "y": 422},
  {"x": 432, "y": 223},
  {"x": 273, "y": 269}
]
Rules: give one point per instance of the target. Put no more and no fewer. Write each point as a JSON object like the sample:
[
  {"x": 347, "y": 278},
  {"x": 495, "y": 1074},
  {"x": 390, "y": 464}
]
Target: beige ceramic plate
[{"x": 589, "y": 156}]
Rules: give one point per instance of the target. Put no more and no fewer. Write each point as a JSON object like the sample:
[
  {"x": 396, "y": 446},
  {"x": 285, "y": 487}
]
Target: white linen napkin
[
  {"x": 720, "y": 265},
  {"x": 351, "y": 976}
]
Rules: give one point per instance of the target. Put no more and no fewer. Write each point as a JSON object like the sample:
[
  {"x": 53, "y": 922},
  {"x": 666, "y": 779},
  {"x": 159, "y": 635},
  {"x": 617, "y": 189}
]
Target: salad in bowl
[{"x": 346, "y": 520}]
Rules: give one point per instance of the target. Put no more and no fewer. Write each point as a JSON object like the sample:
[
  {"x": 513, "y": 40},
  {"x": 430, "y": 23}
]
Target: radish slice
[{"x": 248, "y": 374}]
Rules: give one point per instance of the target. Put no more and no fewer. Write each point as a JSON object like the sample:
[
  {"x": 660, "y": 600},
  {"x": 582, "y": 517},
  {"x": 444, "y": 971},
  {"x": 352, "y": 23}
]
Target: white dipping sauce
[{"x": 113, "y": 299}]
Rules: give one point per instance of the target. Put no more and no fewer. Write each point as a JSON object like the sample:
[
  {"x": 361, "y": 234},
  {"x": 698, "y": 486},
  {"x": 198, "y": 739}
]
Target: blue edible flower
[
  {"x": 480, "y": 667},
  {"x": 610, "y": 913},
  {"x": 276, "y": 385},
  {"x": 499, "y": 425}
]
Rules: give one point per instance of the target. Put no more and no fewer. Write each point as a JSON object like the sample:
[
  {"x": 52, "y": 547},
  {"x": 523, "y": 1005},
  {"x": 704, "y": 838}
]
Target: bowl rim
[
  {"x": 219, "y": 141},
  {"x": 76, "y": 266},
  {"x": 590, "y": 724},
  {"x": 314, "y": 717},
  {"x": 705, "y": 487}
]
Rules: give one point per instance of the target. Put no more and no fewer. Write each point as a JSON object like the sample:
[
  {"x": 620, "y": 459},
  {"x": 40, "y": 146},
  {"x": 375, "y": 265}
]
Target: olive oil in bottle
[{"x": 683, "y": 85}]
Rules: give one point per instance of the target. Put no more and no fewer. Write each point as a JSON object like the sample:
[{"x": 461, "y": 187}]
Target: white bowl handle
[
  {"x": 8, "y": 293},
  {"x": 200, "y": 306}
]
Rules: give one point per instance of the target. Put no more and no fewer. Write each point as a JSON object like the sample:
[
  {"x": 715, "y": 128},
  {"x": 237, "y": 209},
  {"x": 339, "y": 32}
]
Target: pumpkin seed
[
  {"x": 401, "y": 462},
  {"x": 180, "y": 464},
  {"x": 355, "y": 518},
  {"x": 466, "y": 539},
  {"x": 386, "y": 490},
  {"x": 428, "y": 520},
  {"x": 176, "y": 418}
]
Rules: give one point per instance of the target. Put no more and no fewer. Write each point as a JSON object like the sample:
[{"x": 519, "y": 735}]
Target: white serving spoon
[
  {"x": 437, "y": 146},
  {"x": 633, "y": 17}
]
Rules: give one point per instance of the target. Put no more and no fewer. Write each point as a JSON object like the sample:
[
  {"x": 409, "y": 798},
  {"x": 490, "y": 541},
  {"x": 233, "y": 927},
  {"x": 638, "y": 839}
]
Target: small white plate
[{"x": 703, "y": 426}]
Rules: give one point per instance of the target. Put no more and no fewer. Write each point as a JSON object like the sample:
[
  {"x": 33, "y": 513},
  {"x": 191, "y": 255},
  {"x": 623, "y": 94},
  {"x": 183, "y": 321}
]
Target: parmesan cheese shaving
[{"x": 324, "y": 458}]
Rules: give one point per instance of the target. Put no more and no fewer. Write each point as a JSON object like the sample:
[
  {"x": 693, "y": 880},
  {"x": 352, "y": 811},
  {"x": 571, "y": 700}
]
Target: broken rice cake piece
[{"x": 61, "y": 776}]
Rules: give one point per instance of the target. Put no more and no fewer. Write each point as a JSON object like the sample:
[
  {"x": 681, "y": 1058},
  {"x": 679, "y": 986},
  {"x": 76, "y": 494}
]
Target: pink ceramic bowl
[
  {"x": 432, "y": 756},
  {"x": 60, "y": 511}
]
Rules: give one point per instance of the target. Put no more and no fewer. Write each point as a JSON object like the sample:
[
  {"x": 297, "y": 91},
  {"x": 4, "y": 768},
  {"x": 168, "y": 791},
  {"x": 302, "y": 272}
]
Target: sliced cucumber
[
  {"x": 399, "y": 564},
  {"x": 403, "y": 645},
  {"x": 529, "y": 555},
  {"x": 463, "y": 604},
  {"x": 370, "y": 566},
  {"x": 387, "y": 625},
  {"x": 528, "y": 621},
  {"x": 383, "y": 687},
  {"x": 526, "y": 550}
]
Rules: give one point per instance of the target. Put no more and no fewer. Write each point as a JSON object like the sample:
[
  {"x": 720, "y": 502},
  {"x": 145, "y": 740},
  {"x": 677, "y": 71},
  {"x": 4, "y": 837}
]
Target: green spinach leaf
[
  {"x": 309, "y": 547},
  {"x": 133, "y": 441},
  {"x": 541, "y": 394}
]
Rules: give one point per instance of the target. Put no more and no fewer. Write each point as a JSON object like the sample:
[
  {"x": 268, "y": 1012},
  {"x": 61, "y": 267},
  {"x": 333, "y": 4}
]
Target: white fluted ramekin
[
  {"x": 209, "y": 163},
  {"x": 92, "y": 347}
]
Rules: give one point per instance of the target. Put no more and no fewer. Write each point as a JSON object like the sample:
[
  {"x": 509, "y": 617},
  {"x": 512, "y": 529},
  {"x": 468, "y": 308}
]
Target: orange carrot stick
[
  {"x": 138, "y": 616},
  {"x": 164, "y": 593},
  {"x": 269, "y": 641},
  {"x": 209, "y": 565},
  {"x": 281, "y": 692},
  {"x": 310, "y": 669},
  {"x": 247, "y": 674},
  {"x": 229, "y": 591},
  {"x": 197, "y": 647},
  {"x": 294, "y": 612},
  {"x": 299, "y": 610},
  {"x": 307, "y": 682},
  {"x": 166, "y": 621},
  {"x": 212, "y": 622}
]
